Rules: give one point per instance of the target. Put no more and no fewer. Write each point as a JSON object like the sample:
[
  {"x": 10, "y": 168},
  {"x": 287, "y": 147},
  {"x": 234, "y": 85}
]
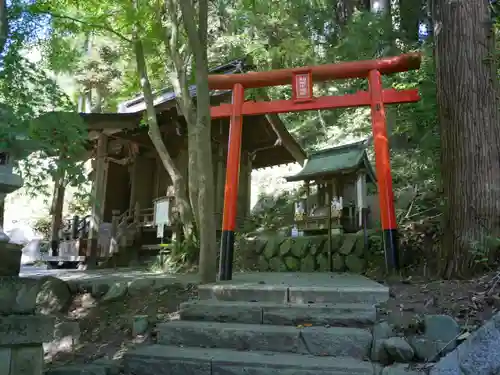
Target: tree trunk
[
  {"x": 410, "y": 15},
  {"x": 467, "y": 96},
  {"x": 178, "y": 181},
  {"x": 2, "y": 211},
  {"x": 206, "y": 206},
  {"x": 4, "y": 25},
  {"x": 197, "y": 36},
  {"x": 56, "y": 209}
]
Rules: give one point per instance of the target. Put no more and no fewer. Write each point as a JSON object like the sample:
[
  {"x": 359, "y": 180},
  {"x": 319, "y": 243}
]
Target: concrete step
[
  {"x": 320, "y": 341},
  {"x": 171, "y": 360},
  {"x": 303, "y": 289},
  {"x": 340, "y": 315}
]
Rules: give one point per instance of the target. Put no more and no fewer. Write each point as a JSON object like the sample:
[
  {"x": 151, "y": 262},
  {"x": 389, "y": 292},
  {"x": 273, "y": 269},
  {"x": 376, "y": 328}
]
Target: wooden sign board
[{"x": 302, "y": 86}]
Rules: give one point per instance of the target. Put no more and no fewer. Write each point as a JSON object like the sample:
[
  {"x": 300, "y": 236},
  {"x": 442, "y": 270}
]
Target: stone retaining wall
[{"x": 307, "y": 254}]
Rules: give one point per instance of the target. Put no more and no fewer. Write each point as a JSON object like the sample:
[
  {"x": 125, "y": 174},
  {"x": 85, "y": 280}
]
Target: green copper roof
[{"x": 336, "y": 160}]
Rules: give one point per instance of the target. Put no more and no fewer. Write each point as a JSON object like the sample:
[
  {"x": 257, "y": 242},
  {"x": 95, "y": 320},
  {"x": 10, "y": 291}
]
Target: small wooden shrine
[{"x": 335, "y": 190}]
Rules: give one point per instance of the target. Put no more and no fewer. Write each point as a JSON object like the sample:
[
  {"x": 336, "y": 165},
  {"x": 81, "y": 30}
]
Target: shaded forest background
[{"x": 445, "y": 148}]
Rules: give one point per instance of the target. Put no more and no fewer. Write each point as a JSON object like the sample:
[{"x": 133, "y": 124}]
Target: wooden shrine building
[
  {"x": 128, "y": 175},
  {"x": 335, "y": 178}
]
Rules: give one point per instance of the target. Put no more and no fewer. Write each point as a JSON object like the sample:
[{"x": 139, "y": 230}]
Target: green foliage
[
  {"x": 52, "y": 141},
  {"x": 42, "y": 226},
  {"x": 272, "y": 211},
  {"x": 81, "y": 203},
  {"x": 178, "y": 257}
]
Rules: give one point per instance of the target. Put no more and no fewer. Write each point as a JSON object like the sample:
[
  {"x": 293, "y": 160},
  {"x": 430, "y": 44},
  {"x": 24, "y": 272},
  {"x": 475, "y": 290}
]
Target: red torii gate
[{"x": 302, "y": 80}]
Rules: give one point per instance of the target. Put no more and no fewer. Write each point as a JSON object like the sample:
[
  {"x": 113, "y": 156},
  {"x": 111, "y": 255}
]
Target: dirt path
[
  {"x": 106, "y": 327},
  {"x": 470, "y": 302}
]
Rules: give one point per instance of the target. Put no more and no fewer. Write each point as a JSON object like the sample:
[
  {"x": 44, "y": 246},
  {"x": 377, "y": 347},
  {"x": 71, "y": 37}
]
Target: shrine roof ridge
[{"x": 336, "y": 160}]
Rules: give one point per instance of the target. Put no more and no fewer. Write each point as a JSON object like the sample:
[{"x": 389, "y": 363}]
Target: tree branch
[
  {"x": 4, "y": 25},
  {"x": 189, "y": 17},
  {"x": 203, "y": 23},
  {"x": 92, "y": 25}
]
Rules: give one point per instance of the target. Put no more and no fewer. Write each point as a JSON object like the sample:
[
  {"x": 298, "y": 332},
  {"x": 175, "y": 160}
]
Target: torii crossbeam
[{"x": 303, "y": 99}]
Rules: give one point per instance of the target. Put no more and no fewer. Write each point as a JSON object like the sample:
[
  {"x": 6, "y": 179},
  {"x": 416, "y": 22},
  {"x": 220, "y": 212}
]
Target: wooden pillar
[
  {"x": 361, "y": 196},
  {"x": 249, "y": 184},
  {"x": 99, "y": 196},
  {"x": 220, "y": 179},
  {"x": 115, "y": 222},
  {"x": 133, "y": 185},
  {"x": 56, "y": 213}
]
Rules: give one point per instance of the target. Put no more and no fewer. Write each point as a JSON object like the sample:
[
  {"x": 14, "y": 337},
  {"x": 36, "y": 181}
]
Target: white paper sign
[{"x": 162, "y": 208}]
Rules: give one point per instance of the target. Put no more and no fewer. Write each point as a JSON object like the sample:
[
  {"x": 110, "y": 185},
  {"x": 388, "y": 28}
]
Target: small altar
[{"x": 334, "y": 194}]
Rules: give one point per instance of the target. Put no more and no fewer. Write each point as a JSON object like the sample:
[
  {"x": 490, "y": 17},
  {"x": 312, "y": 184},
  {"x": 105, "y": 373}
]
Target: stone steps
[
  {"x": 253, "y": 292},
  {"x": 319, "y": 341},
  {"x": 169, "y": 360},
  {"x": 267, "y": 324},
  {"x": 343, "y": 315}
]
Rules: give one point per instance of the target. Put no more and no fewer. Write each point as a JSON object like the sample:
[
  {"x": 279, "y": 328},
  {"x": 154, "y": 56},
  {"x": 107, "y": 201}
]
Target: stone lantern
[{"x": 10, "y": 254}]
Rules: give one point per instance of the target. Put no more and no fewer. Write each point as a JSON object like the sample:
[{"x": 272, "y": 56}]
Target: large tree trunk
[
  {"x": 206, "y": 206},
  {"x": 179, "y": 55},
  {"x": 467, "y": 95},
  {"x": 195, "y": 24},
  {"x": 178, "y": 182}
]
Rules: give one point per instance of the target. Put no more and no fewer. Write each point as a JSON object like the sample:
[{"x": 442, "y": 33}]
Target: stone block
[
  {"x": 243, "y": 363},
  {"x": 320, "y": 294},
  {"x": 300, "y": 246},
  {"x": 115, "y": 292},
  {"x": 277, "y": 264},
  {"x": 337, "y": 341},
  {"x": 443, "y": 330},
  {"x": 244, "y": 292},
  {"x": 319, "y": 314},
  {"x": 400, "y": 369},
  {"x": 90, "y": 369},
  {"x": 140, "y": 324},
  {"x": 273, "y": 246},
  {"x": 54, "y": 296},
  {"x": 27, "y": 360},
  {"x": 338, "y": 262},
  {"x": 348, "y": 244},
  {"x": 354, "y": 263},
  {"x": 322, "y": 262},
  {"x": 263, "y": 264},
  {"x": 316, "y": 244},
  {"x": 381, "y": 332},
  {"x": 292, "y": 264},
  {"x": 426, "y": 349},
  {"x": 26, "y": 329},
  {"x": 398, "y": 349},
  {"x": 11, "y": 259},
  {"x": 286, "y": 247},
  {"x": 217, "y": 311},
  {"x": 5, "y": 357},
  {"x": 478, "y": 355},
  {"x": 18, "y": 295},
  {"x": 308, "y": 263},
  {"x": 164, "y": 360},
  {"x": 230, "y": 336}
]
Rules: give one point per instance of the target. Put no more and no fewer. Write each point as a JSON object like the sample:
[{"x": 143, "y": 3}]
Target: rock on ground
[
  {"x": 401, "y": 369},
  {"x": 381, "y": 332},
  {"x": 442, "y": 329},
  {"x": 398, "y": 349},
  {"x": 53, "y": 297}
]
